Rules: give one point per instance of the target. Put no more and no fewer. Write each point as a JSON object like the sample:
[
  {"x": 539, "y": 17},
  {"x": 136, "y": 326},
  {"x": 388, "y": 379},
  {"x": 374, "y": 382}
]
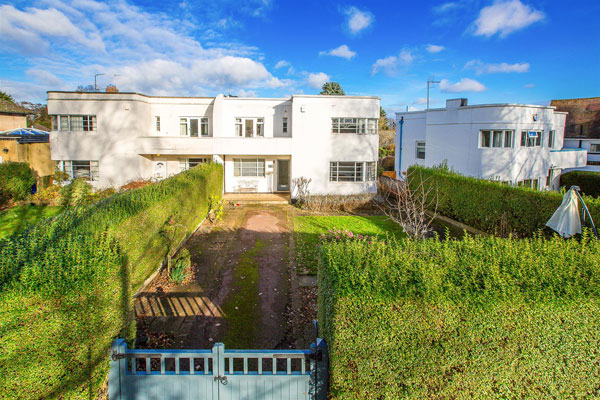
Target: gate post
[
  {"x": 319, "y": 370},
  {"x": 118, "y": 368},
  {"x": 218, "y": 356}
]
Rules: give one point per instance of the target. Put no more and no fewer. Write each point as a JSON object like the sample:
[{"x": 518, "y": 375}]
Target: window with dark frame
[
  {"x": 420, "y": 150},
  {"x": 157, "y": 123},
  {"x": 284, "y": 125},
  {"x": 352, "y": 171},
  {"x": 359, "y": 126}
]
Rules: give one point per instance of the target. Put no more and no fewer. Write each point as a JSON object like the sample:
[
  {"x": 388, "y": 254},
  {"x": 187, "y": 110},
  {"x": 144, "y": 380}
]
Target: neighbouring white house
[
  {"x": 513, "y": 143},
  {"x": 114, "y": 138}
]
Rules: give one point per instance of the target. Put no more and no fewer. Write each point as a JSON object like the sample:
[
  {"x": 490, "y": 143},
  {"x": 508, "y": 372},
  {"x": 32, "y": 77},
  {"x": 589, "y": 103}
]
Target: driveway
[{"x": 242, "y": 290}]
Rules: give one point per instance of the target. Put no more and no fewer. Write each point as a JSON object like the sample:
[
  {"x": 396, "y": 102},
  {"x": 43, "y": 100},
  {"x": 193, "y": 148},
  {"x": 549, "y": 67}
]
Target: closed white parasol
[{"x": 566, "y": 220}]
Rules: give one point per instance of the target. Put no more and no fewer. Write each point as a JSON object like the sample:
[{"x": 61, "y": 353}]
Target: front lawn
[
  {"x": 308, "y": 228},
  {"x": 18, "y": 218}
]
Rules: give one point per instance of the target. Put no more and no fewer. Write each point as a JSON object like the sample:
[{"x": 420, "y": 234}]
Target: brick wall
[{"x": 583, "y": 118}]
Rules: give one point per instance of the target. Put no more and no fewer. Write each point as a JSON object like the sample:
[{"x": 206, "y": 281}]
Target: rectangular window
[
  {"x": 89, "y": 123},
  {"x": 238, "y": 127},
  {"x": 284, "y": 127},
  {"x": 85, "y": 169},
  {"x": 420, "y": 150},
  {"x": 157, "y": 123},
  {"x": 249, "y": 167},
  {"x": 531, "y": 138},
  {"x": 595, "y": 148},
  {"x": 193, "y": 127},
  {"x": 498, "y": 138},
  {"x": 183, "y": 127},
  {"x": 550, "y": 177},
  {"x": 64, "y": 123},
  {"x": 260, "y": 127},
  {"x": 529, "y": 183},
  {"x": 54, "y": 122},
  {"x": 249, "y": 127},
  {"x": 187, "y": 163},
  {"x": 352, "y": 171},
  {"x": 203, "y": 126},
  {"x": 508, "y": 138},
  {"x": 551, "y": 135},
  {"x": 354, "y": 125},
  {"x": 74, "y": 123},
  {"x": 486, "y": 139}
]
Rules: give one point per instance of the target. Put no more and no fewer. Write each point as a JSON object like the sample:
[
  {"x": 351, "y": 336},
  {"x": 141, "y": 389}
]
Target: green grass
[
  {"x": 308, "y": 228},
  {"x": 18, "y": 218}
]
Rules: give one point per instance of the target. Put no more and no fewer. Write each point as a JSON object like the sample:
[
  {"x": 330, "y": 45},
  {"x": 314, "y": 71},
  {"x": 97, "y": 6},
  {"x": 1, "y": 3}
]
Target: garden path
[{"x": 239, "y": 292}]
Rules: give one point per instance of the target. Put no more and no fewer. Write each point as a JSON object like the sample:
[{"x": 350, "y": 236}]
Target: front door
[
  {"x": 283, "y": 175},
  {"x": 159, "y": 169}
]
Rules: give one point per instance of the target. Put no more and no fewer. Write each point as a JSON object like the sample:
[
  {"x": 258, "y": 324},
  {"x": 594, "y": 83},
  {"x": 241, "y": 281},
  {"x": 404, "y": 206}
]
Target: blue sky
[{"x": 526, "y": 51}]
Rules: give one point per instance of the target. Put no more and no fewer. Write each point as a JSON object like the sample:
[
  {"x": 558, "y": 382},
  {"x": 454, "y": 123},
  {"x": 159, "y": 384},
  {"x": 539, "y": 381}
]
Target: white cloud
[
  {"x": 246, "y": 93},
  {"x": 442, "y": 8},
  {"x": 464, "y": 85},
  {"x": 282, "y": 63},
  {"x": 420, "y": 101},
  {"x": 317, "y": 80},
  {"x": 433, "y": 48},
  {"x": 389, "y": 65},
  {"x": 28, "y": 30},
  {"x": 358, "y": 20},
  {"x": 482, "y": 68},
  {"x": 504, "y": 17},
  {"x": 154, "y": 53},
  {"x": 342, "y": 51},
  {"x": 529, "y": 85}
]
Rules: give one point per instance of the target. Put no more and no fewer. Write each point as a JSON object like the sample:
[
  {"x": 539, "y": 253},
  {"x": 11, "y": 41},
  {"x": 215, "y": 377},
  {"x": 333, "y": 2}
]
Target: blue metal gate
[{"x": 218, "y": 374}]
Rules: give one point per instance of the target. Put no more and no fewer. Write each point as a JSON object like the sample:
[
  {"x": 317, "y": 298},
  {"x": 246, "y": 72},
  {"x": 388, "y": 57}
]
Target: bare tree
[
  {"x": 412, "y": 208},
  {"x": 301, "y": 185}
]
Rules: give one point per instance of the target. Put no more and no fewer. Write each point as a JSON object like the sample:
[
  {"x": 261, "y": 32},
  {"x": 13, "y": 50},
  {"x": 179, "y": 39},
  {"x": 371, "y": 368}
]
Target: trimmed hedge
[
  {"x": 66, "y": 283},
  {"x": 491, "y": 206},
  {"x": 16, "y": 180},
  {"x": 477, "y": 318},
  {"x": 588, "y": 181}
]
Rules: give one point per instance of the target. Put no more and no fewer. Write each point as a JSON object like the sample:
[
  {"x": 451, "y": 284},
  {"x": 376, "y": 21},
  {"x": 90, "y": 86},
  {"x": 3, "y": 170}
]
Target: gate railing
[{"x": 145, "y": 373}]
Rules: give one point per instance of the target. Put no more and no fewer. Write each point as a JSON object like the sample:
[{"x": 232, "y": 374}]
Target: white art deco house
[
  {"x": 512, "y": 143},
  {"x": 264, "y": 144}
]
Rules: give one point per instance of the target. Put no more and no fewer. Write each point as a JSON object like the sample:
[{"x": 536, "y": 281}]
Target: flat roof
[
  {"x": 484, "y": 106},
  {"x": 224, "y": 96}
]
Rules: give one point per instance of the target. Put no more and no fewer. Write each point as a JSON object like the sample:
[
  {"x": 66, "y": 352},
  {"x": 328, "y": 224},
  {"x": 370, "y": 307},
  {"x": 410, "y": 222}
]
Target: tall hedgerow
[
  {"x": 66, "y": 283},
  {"x": 16, "y": 181},
  {"x": 477, "y": 318},
  {"x": 491, "y": 206}
]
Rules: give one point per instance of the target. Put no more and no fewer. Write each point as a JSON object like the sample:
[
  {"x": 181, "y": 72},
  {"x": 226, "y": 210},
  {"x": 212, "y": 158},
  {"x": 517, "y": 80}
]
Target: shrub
[
  {"x": 334, "y": 203},
  {"x": 16, "y": 180},
  {"x": 588, "y": 181},
  {"x": 66, "y": 283},
  {"x": 180, "y": 265},
  {"x": 76, "y": 193},
  {"x": 491, "y": 206},
  {"x": 477, "y": 318}
]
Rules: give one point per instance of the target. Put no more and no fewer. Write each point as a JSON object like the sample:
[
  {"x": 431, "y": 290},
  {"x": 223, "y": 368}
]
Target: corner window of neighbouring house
[
  {"x": 193, "y": 127},
  {"x": 551, "y": 138},
  {"x": 54, "y": 119},
  {"x": 260, "y": 127},
  {"x": 595, "y": 148},
  {"x": 249, "y": 167},
  {"x": 531, "y": 138},
  {"x": 359, "y": 126},
  {"x": 85, "y": 169},
  {"x": 238, "y": 127},
  {"x": 157, "y": 123},
  {"x": 187, "y": 163},
  {"x": 420, "y": 150},
  {"x": 496, "y": 138},
  {"x": 284, "y": 127},
  {"x": 352, "y": 171}
]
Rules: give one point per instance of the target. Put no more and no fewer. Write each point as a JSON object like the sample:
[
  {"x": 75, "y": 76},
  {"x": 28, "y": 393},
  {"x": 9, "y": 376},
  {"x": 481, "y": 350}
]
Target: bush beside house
[
  {"x": 66, "y": 283},
  {"x": 491, "y": 206},
  {"x": 588, "y": 181},
  {"x": 16, "y": 181},
  {"x": 478, "y": 318}
]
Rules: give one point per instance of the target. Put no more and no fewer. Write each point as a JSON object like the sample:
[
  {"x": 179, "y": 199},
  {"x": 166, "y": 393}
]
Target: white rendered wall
[{"x": 126, "y": 141}]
